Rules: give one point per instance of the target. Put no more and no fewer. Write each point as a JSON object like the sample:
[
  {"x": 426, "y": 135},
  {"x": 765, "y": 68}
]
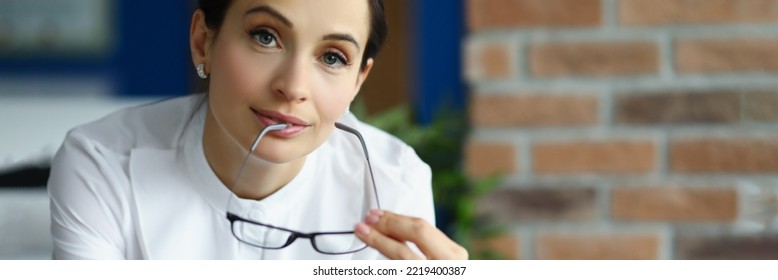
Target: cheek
[
  {"x": 238, "y": 73},
  {"x": 336, "y": 93}
]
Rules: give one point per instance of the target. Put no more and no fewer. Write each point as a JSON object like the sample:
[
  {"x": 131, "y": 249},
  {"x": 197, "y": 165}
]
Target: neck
[{"x": 259, "y": 178}]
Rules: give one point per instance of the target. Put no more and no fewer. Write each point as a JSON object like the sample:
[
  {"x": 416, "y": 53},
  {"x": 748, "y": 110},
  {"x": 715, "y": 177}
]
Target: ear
[
  {"x": 200, "y": 40},
  {"x": 363, "y": 76}
]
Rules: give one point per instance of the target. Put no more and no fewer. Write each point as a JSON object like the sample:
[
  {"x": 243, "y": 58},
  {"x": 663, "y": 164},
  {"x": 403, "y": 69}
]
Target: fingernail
[
  {"x": 363, "y": 229},
  {"x": 372, "y": 219},
  {"x": 376, "y": 212}
]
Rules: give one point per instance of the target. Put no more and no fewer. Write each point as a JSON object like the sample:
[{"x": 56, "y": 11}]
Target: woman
[{"x": 255, "y": 168}]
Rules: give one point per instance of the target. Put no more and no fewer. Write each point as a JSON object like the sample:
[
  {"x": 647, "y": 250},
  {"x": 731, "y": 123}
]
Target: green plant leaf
[
  {"x": 439, "y": 144},
  {"x": 486, "y": 185}
]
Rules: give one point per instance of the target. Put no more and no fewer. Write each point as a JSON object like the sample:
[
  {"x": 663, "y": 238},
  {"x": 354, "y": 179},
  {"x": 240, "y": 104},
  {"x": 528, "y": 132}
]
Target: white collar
[{"x": 213, "y": 190}]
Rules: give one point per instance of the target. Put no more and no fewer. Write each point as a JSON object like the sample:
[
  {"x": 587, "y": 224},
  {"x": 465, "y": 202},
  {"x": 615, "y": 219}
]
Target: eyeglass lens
[{"x": 270, "y": 237}]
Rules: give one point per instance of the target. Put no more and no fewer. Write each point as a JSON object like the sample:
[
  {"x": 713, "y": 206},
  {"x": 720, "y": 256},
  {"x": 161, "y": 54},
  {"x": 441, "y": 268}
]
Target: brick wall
[{"x": 627, "y": 129}]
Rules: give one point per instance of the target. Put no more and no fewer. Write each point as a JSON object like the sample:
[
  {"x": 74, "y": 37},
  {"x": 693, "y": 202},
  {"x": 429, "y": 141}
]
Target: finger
[
  {"x": 390, "y": 248},
  {"x": 429, "y": 239}
]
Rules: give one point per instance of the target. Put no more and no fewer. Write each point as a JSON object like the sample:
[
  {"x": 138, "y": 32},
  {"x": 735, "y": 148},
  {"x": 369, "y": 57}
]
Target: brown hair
[{"x": 215, "y": 10}]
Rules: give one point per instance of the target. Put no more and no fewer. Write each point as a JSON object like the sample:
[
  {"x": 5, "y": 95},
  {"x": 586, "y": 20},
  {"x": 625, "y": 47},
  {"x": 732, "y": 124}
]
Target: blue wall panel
[
  {"x": 148, "y": 53},
  {"x": 438, "y": 84}
]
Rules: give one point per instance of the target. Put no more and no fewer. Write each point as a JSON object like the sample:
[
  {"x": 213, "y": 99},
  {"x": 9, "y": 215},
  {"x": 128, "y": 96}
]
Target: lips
[{"x": 294, "y": 125}]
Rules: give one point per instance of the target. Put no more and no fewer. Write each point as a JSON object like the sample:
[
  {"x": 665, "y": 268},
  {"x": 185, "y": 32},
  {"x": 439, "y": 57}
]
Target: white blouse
[{"x": 136, "y": 185}]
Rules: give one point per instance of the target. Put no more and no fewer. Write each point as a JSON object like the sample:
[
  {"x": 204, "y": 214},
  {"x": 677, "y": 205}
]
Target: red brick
[
  {"x": 504, "y": 246},
  {"x": 726, "y": 55},
  {"x": 674, "y": 204},
  {"x": 695, "y": 246},
  {"x": 761, "y": 106},
  {"x": 597, "y": 247},
  {"x": 678, "y": 108},
  {"x": 533, "y": 110},
  {"x": 488, "y": 158},
  {"x": 533, "y": 204},
  {"x": 724, "y": 155},
  {"x": 594, "y": 59},
  {"x": 605, "y": 156},
  {"x": 659, "y": 12},
  {"x": 490, "y": 61},
  {"x": 484, "y": 14}
]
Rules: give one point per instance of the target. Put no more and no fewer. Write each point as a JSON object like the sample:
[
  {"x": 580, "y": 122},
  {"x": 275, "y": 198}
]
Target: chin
[{"x": 279, "y": 154}]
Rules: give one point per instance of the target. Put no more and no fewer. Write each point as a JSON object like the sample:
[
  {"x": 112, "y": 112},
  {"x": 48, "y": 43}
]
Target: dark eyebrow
[
  {"x": 342, "y": 37},
  {"x": 269, "y": 10}
]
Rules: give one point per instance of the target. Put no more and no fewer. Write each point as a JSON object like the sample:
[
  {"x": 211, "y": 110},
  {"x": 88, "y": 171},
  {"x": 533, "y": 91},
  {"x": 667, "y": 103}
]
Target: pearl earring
[
  {"x": 344, "y": 113},
  {"x": 201, "y": 71}
]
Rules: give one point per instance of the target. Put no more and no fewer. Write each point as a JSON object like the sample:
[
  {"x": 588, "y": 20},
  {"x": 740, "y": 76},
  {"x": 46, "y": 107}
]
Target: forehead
[{"x": 314, "y": 16}]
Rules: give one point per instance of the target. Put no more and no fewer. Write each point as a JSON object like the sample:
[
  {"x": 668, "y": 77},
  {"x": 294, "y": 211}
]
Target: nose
[{"x": 292, "y": 79}]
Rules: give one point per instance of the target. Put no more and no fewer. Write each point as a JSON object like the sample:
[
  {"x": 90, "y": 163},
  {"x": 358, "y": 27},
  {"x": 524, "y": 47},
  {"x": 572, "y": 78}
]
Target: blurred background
[{"x": 556, "y": 129}]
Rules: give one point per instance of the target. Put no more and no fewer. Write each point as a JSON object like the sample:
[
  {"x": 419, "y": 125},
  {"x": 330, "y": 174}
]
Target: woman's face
[{"x": 286, "y": 61}]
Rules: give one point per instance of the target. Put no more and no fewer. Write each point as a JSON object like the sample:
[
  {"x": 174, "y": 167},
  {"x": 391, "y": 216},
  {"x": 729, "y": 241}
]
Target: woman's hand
[{"x": 387, "y": 232}]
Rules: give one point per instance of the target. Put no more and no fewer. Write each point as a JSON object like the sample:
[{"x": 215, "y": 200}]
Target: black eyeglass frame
[{"x": 294, "y": 235}]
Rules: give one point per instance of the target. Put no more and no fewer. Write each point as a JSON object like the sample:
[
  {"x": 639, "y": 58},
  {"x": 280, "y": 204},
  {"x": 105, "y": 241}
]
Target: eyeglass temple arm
[
  {"x": 254, "y": 146},
  {"x": 339, "y": 126},
  {"x": 367, "y": 157}
]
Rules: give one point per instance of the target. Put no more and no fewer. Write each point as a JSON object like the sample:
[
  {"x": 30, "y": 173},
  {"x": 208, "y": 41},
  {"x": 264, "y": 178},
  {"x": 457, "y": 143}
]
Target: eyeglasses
[{"x": 268, "y": 236}]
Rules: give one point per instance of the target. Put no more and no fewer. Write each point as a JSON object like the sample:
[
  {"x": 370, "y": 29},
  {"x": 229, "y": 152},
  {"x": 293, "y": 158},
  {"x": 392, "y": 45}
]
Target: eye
[
  {"x": 334, "y": 59},
  {"x": 265, "y": 37}
]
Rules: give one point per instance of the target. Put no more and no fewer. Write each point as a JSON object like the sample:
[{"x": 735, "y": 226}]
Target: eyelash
[
  {"x": 254, "y": 34},
  {"x": 341, "y": 58}
]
